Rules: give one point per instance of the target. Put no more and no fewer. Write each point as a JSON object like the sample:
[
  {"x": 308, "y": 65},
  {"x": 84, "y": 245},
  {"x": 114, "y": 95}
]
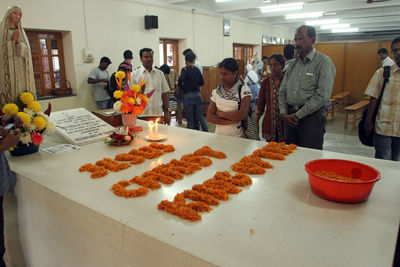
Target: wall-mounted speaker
[{"x": 150, "y": 22}]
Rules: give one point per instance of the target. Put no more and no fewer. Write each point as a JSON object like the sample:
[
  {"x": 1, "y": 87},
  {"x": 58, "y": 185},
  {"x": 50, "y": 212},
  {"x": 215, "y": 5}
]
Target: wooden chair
[
  {"x": 341, "y": 99},
  {"x": 355, "y": 109}
]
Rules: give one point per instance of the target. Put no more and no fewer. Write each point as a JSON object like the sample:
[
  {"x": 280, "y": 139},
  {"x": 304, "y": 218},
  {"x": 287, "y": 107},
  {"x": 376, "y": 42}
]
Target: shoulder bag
[{"x": 367, "y": 139}]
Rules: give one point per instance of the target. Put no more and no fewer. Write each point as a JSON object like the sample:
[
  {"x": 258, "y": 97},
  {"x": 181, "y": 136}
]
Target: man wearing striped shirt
[{"x": 305, "y": 89}]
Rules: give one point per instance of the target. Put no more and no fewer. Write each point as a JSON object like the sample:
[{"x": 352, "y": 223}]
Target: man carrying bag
[{"x": 385, "y": 101}]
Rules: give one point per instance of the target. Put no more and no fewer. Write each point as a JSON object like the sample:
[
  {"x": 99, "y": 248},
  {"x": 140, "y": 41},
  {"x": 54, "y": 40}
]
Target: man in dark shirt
[{"x": 190, "y": 82}]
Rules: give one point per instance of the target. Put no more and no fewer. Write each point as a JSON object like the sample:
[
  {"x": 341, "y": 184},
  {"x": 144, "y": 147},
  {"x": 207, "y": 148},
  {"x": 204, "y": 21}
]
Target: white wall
[{"x": 111, "y": 26}]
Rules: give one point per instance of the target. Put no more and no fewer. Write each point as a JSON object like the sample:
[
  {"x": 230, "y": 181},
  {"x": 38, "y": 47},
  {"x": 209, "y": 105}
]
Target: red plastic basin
[{"x": 342, "y": 191}]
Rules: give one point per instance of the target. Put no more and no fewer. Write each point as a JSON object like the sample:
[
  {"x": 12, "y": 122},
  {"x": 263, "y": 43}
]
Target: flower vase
[
  {"x": 24, "y": 149},
  {"x": 129, "y": 120}
]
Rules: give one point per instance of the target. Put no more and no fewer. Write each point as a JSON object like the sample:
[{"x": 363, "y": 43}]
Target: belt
[{"x": 295, "y": 107}]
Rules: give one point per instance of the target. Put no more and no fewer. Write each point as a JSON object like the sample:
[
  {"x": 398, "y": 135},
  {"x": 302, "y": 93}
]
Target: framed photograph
[{"x": 227, "y": 27}]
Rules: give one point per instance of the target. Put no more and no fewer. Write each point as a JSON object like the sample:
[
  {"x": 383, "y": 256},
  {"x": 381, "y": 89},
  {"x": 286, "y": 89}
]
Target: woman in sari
[
  {"x": 267, "y": 103},
  {"x": 16, "y": 69}
]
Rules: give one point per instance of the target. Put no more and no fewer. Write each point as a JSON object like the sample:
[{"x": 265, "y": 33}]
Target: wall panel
[
  {"x": 361, "y": 63},
  {"x": 336, "y": 52}
]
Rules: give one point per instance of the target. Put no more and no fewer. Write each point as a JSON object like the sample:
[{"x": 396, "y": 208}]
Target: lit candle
[
  {"x": 150, "y": 124},
  {"x": 156, "y": 127}
]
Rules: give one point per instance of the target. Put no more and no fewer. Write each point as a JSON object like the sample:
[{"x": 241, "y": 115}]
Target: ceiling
[{"x": 378, "y": 20}]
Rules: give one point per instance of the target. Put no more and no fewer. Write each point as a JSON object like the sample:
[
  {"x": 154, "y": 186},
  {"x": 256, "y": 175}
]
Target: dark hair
[
  {"x": 395, "y": 41},
  {"x": 187, "y": 50},
  {"x": 128, "y": 54},
  {"x": 106, "y": 60},
  {"x": 382, "y": 51},
  {"x": 310, "y": 30},
  {"x": 165, "y": 69},
  {"x": 264, "y": 57},
  {"x": 190, "y": 57},
  {"x": 229, "y": 64},
  {"x": 143, "y": 50},
  {"x": 288, "y": 51},
  {"x": 277, "y": 57}
]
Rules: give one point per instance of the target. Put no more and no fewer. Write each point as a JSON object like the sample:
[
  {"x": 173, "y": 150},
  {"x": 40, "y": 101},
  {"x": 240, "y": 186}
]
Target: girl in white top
[{"x": 223, "y": 109}]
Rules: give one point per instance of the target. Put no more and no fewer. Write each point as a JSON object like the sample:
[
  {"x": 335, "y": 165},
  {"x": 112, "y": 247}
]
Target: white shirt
[
  {"x": 227, "y": 101},
  {"x": 387, "y": 62},
  {"x": 155, "y": 80},
  {"x": 99, "y": 91}
]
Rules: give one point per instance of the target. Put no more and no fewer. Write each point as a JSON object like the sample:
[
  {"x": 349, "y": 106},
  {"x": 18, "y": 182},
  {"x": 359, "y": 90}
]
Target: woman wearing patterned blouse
[
  {"x": 272, "y": 126},
  {"x": 224, "y": 110}
]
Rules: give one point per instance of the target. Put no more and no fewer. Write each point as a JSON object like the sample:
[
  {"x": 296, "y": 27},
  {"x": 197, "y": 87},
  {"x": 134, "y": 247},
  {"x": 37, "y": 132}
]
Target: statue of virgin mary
[{"x": 16, "y": 69}]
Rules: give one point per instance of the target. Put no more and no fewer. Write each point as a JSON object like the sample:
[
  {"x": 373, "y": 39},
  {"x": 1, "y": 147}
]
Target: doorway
[{"x": 169, "y": 53}]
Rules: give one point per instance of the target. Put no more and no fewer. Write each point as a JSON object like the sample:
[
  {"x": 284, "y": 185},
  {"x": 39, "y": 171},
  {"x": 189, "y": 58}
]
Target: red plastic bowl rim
[{"x": 378, "y": 176}]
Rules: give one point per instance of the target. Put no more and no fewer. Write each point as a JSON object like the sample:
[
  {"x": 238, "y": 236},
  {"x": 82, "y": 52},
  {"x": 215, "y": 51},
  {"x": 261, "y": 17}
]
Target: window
[
  {"x": 243, "y": 52},
  {"x": 169, "y": 53},
  {"x": 48, "y": 63}
]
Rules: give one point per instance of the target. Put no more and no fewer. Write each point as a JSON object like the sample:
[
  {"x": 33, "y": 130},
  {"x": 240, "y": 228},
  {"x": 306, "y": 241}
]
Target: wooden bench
[
  {"x": 355, "y": 109},
  {"x": 341, "y": 99}
]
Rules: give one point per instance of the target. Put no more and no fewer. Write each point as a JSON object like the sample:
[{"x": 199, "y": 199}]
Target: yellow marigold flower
[
  {"x": 131, "y": 100},
  {"x": 135, "y": 88},
  {"x": 26, "y": 119},
  {"x": 26, "y": 98},
  {"x": 120, "y": 75},
  {"x": 35, "y": 106},
  {"x": 10, "y": 109},
  {"x": 118, "y": 94},
  {"x": 40, "y": 122},
  {"x": 145, "y": 98}
]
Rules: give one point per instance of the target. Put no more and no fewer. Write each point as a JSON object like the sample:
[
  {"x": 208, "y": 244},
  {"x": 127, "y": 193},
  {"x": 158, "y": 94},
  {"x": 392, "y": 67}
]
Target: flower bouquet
[
  {"x": 35, "y": 123},
  {"x": 132, "y": 101},
  {"x": 122, "y": 136}
]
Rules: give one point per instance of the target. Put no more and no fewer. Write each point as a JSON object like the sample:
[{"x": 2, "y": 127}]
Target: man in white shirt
[
  {"x": 384, "y": 55},
  {"x": 158, "y": 105},
  {"x": 100, "y": 78}
]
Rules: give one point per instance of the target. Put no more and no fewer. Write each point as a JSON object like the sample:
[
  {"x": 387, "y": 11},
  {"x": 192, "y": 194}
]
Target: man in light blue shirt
[{"x": 305, "y": 89}]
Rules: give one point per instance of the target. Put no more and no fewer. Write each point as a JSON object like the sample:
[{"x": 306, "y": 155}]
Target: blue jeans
[
  {"x": 255, "y": 89},
  {"x": 105, "y": 104},
  {"x": 193, "y": 110},
  {"x": 387, "y": 147}
]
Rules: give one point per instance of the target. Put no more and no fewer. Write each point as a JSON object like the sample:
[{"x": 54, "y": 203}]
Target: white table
[{"x": 67, "y": 219}]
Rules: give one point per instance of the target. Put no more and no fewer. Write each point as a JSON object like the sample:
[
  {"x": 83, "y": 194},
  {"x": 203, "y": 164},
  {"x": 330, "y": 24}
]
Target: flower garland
[
  {"x": 167, "y": 173},
  {"x": 133, "y": 158},
  {"x": 223, "y": 184}
]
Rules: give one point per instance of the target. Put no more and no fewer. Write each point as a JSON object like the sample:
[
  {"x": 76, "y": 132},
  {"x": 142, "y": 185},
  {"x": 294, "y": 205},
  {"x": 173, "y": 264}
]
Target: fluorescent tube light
[
  {"x": 322, "y": 22},
  {"x": 344, "y": 30},
  {"x": 335, "y": 26},
  {"x": 220, "y": 1},
  {"x": 304, "y": 15},
  {"x": 282, "y": 7}
]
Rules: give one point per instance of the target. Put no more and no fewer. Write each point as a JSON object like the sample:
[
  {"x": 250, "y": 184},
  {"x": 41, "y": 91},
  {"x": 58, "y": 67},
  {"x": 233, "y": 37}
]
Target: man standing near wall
[
  {"x": 384, "y": 56},
  {"x": 158, "y": 105},
  {"x": 100, "y": 78},
  {"x": 305, "y": 89},
  {"x": 387, "y": 124}
]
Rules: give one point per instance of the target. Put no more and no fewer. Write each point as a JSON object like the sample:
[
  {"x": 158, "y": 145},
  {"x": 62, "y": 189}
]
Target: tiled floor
[{"x": 337, "y": 138}]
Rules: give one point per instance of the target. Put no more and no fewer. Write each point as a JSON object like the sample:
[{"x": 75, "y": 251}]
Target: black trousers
[
  {"x": 309, "y": 132},
  {"x": 2, "y": 247}
]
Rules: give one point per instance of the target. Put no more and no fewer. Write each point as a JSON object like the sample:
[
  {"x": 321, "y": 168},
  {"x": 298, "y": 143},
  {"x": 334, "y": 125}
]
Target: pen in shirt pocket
[{"x": 310, "y": 74}]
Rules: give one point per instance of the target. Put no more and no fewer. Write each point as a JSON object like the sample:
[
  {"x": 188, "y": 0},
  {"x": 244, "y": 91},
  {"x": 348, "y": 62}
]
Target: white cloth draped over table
[{"x": 16, "y": 68}]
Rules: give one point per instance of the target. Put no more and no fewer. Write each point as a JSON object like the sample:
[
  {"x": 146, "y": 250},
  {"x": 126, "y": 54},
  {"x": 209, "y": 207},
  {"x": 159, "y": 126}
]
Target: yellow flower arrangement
[
  {"x": 35, "y": 122},
  {"x": 132, "y": 101}
]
